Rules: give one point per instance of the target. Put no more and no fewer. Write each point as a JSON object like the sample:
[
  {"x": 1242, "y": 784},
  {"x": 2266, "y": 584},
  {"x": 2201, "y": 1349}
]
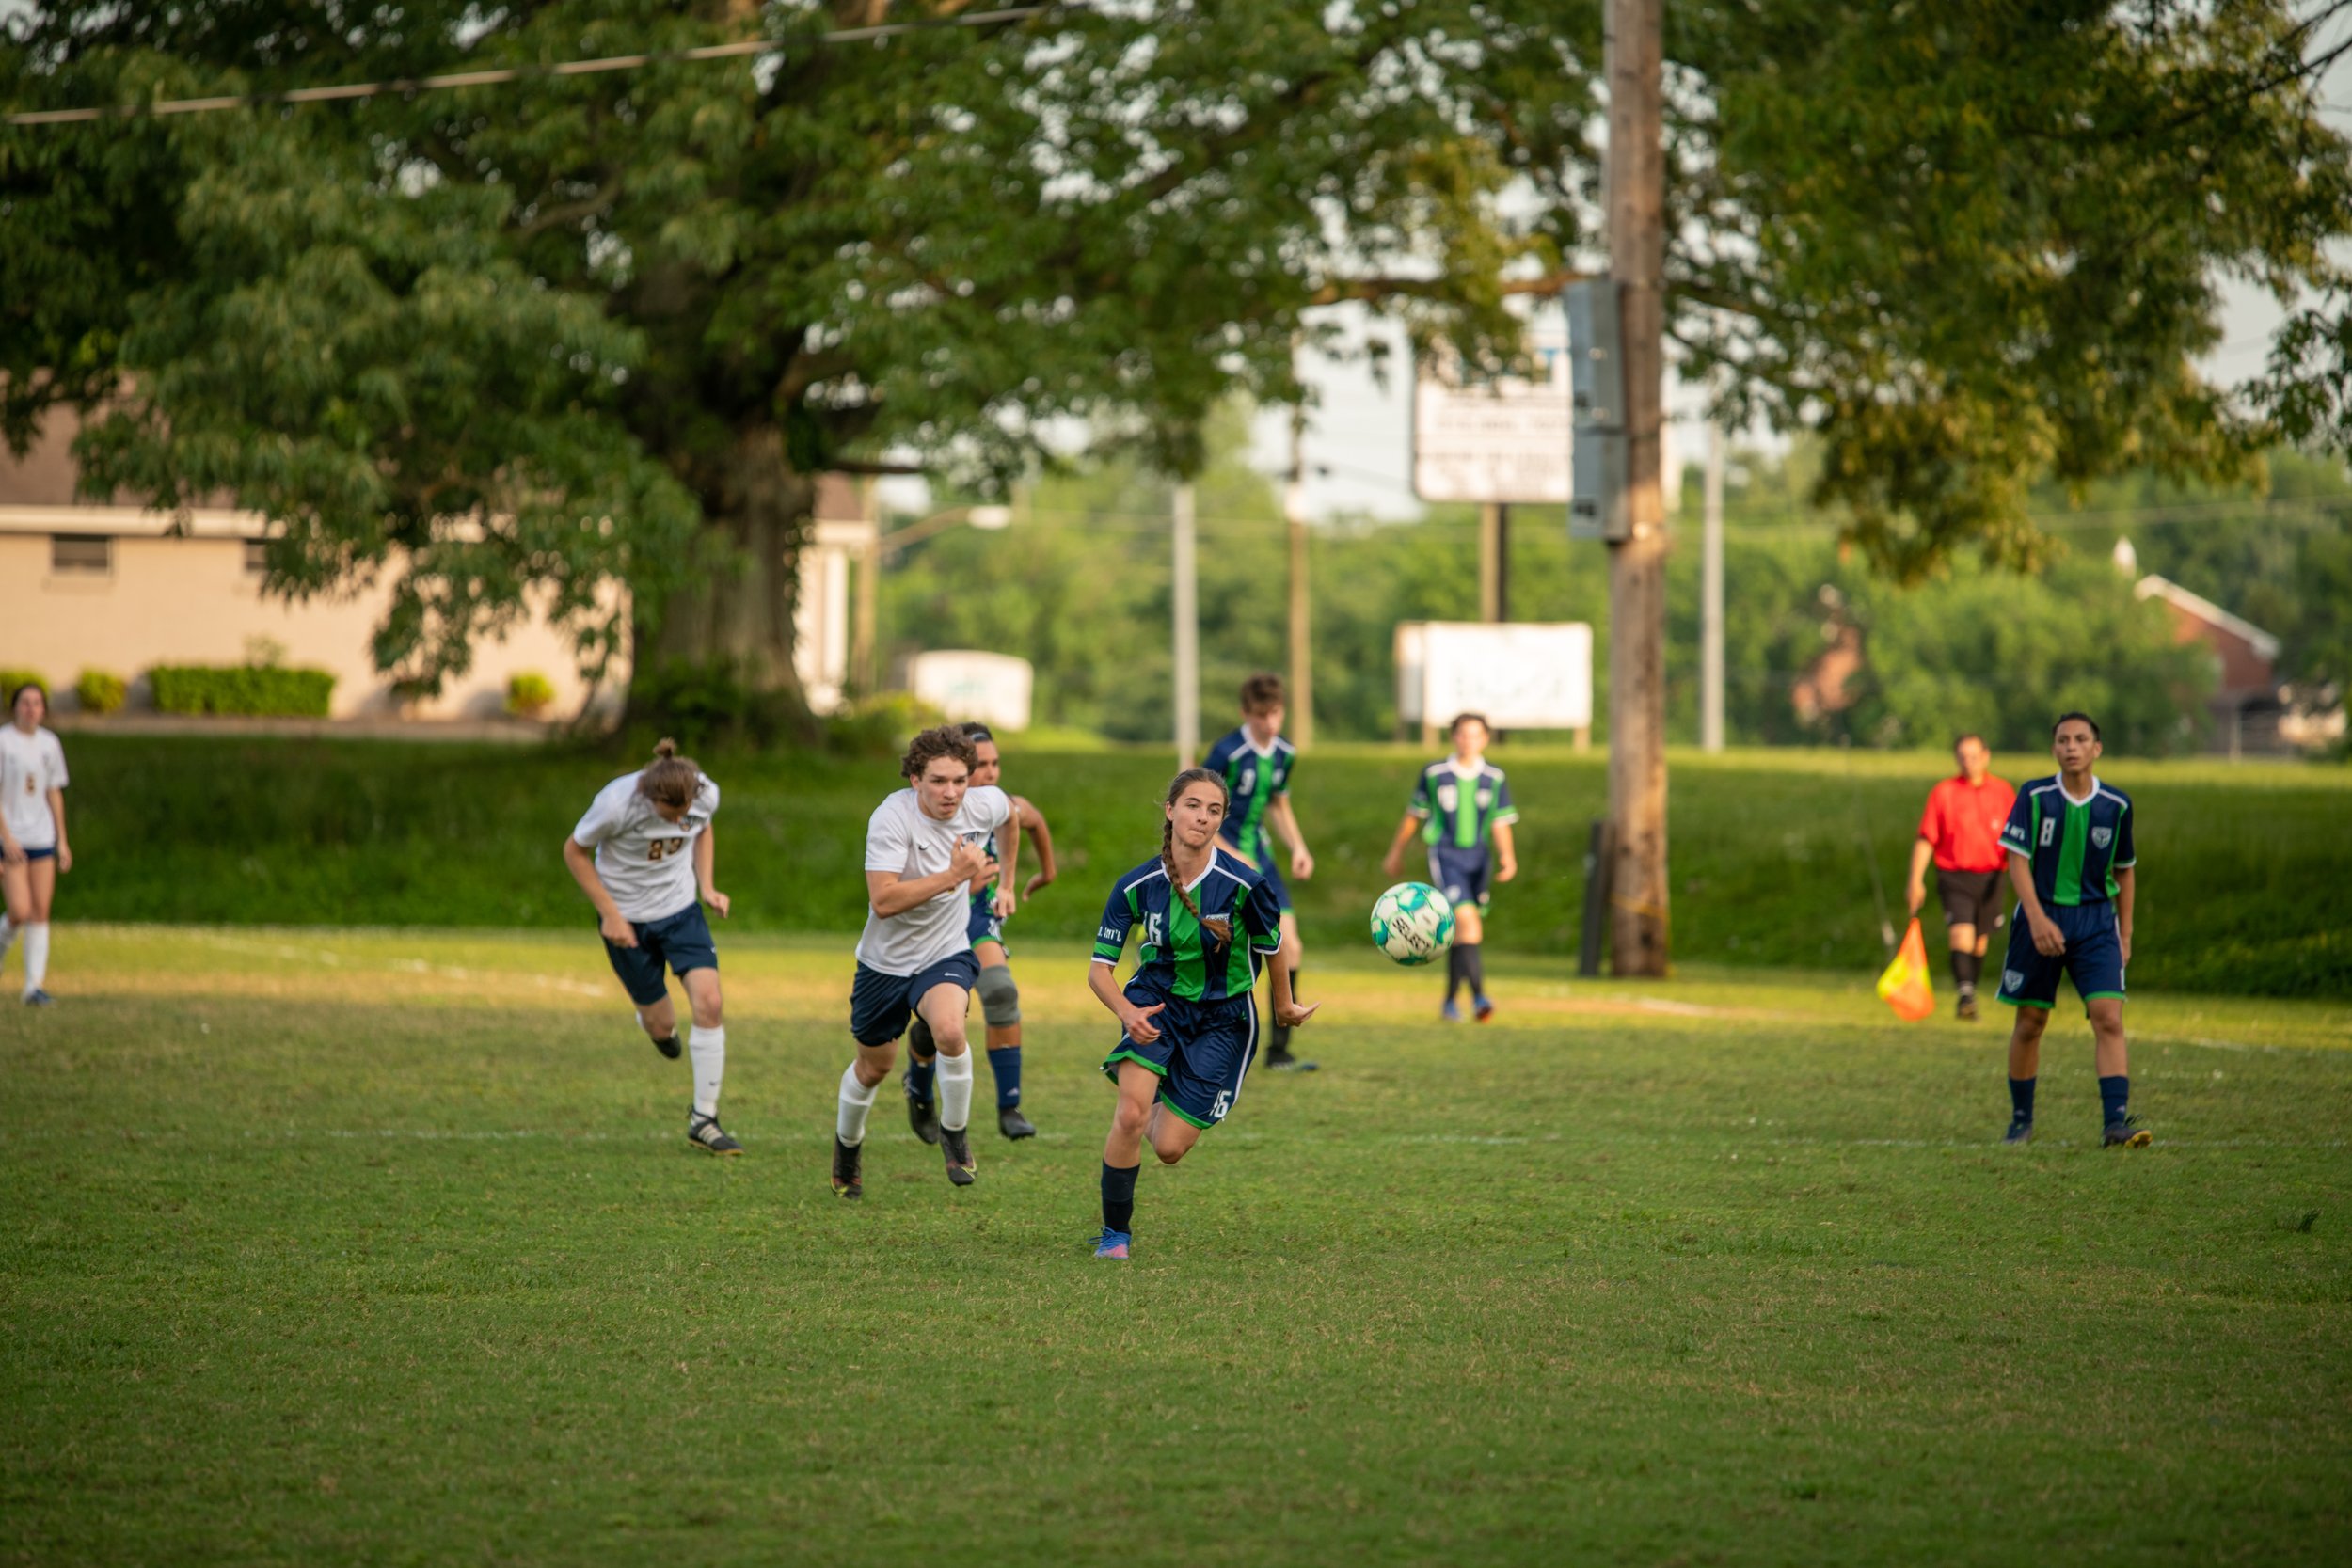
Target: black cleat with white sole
[
  {"x": 705, "y": 1133},
  {"x": 955, "y": 1144}
]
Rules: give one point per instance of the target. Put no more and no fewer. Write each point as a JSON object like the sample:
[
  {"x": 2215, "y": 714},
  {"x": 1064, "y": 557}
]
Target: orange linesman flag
[{"x": 1904, "y": 986}]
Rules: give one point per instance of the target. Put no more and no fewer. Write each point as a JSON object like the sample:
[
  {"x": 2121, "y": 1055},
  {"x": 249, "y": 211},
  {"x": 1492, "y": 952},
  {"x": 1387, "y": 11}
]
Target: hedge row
[{"x": 243, "y": 688}]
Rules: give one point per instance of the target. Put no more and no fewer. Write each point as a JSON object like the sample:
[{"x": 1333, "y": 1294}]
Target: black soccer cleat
[
  {"x": 1012, "y": 1124},
  {"x": 848, "y": 1169},
  {"x": 955, "y": 1144},
  {"x": 1966, "y": 1010},
  {"x": 669, "y": 1048},
  {"x": 2127, "y": 1133},
  {"x": 922, "y": 1112},
  {"x": 705, "y": 1133},
  {"x": 2020, "y": 1131}
]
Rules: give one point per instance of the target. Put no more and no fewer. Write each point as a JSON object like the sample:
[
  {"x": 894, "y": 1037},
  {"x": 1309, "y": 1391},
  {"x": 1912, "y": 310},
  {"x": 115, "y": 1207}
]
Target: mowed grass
[{"x": 385, "y": 1247}]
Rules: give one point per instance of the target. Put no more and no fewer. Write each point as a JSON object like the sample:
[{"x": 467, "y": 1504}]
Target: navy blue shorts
[
  {"x": 2093, "y": 958},
  {"x": 983, "y": 926},
  {"x": 1460, "y": 875},
  {"x": 1203, "y": 1052},
  {"x": 880, "y": 1004},
  {"x": 681, "y": 939},
  {"x": 49, "y": 853}
]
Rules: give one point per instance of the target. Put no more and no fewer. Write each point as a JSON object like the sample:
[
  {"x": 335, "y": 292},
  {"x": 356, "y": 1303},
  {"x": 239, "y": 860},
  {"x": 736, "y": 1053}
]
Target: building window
[
  {"x": 255, "y": 557},
  {"x": 81, "y": 554}
]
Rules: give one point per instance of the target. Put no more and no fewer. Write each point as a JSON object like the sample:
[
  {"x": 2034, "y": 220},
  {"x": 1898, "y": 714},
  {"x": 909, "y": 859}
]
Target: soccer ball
[{"x": 1412, "y": 922}]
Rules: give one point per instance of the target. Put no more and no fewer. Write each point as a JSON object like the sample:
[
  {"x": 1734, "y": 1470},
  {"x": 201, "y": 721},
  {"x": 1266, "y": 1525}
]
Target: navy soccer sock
[
  {"x": 1004, "y": 1061},
  {"x": 2115, "y": 1096},
  {"x": 2021, "y": 1098},
  {"x": 919, "y": 1076},
  {"x": 1453, "y": 972},
  {"x": 1473, "y": 966},
  {"x": 1118, "y": 1197}
]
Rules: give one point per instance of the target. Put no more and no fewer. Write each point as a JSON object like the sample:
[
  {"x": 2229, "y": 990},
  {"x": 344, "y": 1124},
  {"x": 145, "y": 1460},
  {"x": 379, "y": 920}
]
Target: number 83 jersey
[{"x": 645, "y": 861}]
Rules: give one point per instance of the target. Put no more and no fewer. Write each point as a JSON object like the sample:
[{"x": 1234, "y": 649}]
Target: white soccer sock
[
  {"x": 955, "y": 1090},
  {"x": 7, "y": 936},
  {"x": 708, "y": 1050},
  {"x": 856, "y": 1100},
  {"x": 36, "y": 955}
]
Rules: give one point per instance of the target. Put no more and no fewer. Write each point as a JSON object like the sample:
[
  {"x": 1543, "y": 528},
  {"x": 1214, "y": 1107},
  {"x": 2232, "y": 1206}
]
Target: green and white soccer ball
[{"x": 1412, "y": 922}]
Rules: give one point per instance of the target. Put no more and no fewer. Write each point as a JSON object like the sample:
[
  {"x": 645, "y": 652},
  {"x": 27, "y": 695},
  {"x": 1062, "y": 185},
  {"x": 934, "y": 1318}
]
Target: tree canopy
[{"x": 527, "y": 339}]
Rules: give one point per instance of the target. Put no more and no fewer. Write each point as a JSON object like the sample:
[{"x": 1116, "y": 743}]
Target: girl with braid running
[{"x": 1205, "y": 922}]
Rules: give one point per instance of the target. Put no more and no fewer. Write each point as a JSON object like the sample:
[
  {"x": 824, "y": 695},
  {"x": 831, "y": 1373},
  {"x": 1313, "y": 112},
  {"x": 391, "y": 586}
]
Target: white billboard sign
[
  {"x": 1522, "y": 675},
  {"x": 967, "y": 686},
  {"x": 1505, "y": 439}
]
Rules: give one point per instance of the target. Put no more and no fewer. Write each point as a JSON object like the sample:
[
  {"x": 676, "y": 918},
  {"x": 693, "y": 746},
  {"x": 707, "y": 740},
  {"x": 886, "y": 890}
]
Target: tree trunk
[{"x": 737, "y": 619}]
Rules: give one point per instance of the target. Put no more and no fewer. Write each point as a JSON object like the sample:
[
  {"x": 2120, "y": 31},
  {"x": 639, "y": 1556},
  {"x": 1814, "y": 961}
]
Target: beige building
[{"x": 118, "y": 589}]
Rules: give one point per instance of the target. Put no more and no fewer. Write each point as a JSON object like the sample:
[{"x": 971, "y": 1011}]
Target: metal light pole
[
  {"x": 1187, "y": 598},
  {"x": 1711, "y": 598}
]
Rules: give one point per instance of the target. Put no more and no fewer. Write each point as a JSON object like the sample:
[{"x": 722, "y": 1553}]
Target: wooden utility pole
[
  {"x": 1637, "y": 566},
  {"x": 1301, "y": 721},
  {"x": 1494, "y": 561},
  {"x": 1187, "y": 597}
]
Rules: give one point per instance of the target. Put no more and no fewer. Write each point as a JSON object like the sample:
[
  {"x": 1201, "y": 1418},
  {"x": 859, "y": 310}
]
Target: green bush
[
  {"x": 11, "y": 679},
  {"x": 101, "y": 692},
  {"x": 242, "y": 688},
  {"x": 530, "y": 694},
  {"x": 879, "y": 725}
]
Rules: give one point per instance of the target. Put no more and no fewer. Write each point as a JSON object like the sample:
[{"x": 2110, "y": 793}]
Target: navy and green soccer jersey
[
  {"x": 1179, "y": 959},
  {"x": 1458, "y": 812},
  {"x": 2076, "y": 847},
  {"x": 1252, "y": 779}
]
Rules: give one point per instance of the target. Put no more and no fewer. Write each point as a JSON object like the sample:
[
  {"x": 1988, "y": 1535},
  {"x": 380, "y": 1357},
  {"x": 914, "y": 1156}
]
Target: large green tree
[{"x": 542, "y": 335}]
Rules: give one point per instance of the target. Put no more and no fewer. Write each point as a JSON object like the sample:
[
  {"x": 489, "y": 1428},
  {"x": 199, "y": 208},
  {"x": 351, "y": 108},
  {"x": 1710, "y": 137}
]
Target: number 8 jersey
[{"x": 645, "y": 861}]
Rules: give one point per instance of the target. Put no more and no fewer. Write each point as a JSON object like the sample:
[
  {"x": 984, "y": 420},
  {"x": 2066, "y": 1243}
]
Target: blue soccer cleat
[
  {"x": 2020, "y": 1132},
  {"x": 1482, "y": 1008},
  {"x": 1451, "y": 1013},
  {"x": 1112, "y": 1243}
]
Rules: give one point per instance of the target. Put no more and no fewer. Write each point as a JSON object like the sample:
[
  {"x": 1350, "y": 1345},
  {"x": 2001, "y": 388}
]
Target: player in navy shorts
[
  {"x": 1459, "y": 806},
  {"x": 1206, "y": 923},
  {"x": 2068, "y": 839}
]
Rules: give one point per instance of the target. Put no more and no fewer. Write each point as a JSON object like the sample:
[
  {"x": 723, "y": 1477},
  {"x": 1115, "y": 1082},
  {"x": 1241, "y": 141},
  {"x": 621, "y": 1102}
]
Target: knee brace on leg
[
  {"x": 919, "y": 1042},
  {"x": 1000, "y": 999}
]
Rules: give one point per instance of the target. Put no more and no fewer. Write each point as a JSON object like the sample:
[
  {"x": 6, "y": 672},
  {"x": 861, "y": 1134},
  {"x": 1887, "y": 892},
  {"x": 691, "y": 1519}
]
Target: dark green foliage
[
  {"x": 243, "y": 688},
  {"x": 2245, "y": 882}
]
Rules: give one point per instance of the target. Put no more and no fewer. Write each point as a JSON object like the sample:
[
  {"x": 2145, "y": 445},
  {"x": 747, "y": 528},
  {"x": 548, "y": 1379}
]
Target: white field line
[{"x": 332, "y": 959}]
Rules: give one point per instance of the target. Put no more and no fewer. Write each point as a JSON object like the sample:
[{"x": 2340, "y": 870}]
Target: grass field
[
  {"x": 2245, "y": 883},
  {"x": 385, "y": 1246}
]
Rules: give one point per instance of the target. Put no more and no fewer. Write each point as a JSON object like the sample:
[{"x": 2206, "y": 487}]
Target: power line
[{"x": 514, "y": 74}]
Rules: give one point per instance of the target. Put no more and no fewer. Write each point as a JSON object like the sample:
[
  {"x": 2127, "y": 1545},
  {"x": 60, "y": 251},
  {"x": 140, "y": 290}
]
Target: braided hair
[{"x": 1219, "y": 927}]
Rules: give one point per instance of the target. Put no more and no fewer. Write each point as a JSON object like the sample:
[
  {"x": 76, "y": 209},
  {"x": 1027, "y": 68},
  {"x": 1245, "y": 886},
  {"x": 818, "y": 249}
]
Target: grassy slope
[
  {"x": 2245, "y": 882},
  {"x": 383, "y": 1246}
]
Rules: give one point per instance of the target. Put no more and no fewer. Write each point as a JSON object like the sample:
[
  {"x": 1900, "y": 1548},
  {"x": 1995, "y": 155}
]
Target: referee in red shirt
[{"x": 1961, "y": 831}]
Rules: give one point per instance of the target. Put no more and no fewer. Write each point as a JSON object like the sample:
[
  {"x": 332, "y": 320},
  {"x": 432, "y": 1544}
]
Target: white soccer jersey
[
  {"x": 30, "y": 766},
  {"x": 900, "y": 838},
  {"x": 645, "y": 862}
]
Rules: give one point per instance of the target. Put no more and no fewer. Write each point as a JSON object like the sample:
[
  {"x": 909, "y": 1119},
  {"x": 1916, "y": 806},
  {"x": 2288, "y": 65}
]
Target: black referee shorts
[{"x": 1971, "y": 897}]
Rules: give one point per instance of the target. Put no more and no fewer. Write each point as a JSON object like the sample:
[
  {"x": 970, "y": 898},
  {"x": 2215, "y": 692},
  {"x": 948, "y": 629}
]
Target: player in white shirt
[
  {"x": 643, "y": 855},
  {"x": 33, "y": 849},
  {"x": 924, "y": 846}
]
